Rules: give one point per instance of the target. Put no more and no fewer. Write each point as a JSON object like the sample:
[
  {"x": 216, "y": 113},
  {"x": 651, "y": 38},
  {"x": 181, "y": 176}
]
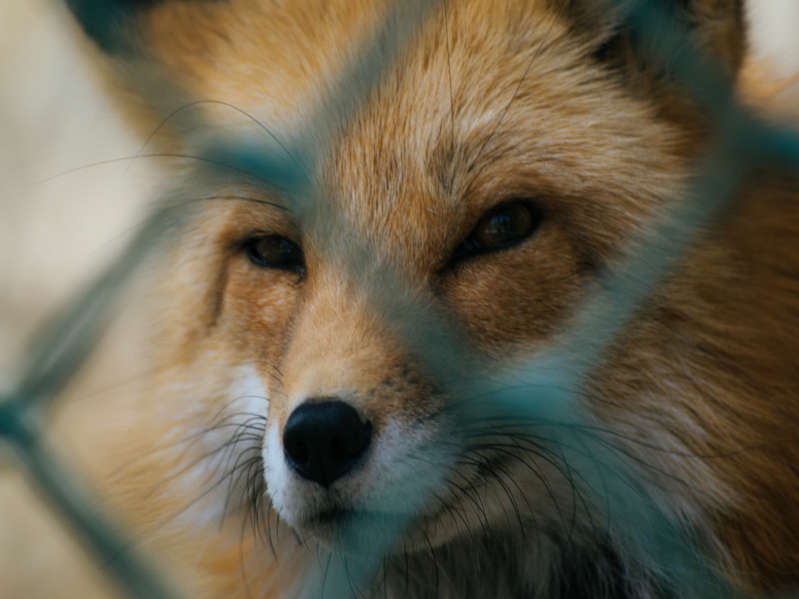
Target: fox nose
[{"x": 323, "y": 440}]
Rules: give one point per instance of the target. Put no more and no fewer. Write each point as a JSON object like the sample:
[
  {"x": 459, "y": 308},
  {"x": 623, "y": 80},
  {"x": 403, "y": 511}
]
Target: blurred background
[
  {"x": 67, "y": 205},
  {"x": 58, "y": 226}
]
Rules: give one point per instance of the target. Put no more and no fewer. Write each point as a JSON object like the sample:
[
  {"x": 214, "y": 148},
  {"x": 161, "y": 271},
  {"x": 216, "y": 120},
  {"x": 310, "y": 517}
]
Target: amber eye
[
  {"x": 274, "y": 251},
  {"x": 502, "y": 227}
]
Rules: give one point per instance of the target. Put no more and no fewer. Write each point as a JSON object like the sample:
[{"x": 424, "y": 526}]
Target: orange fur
[{"x": 491, "y": 101}]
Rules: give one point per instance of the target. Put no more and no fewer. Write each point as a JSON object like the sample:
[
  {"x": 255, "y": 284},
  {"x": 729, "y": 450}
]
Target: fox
[{"x": 508, "y": 156}]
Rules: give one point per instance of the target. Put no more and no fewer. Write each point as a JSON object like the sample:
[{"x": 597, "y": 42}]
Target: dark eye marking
[
  {"x": 274, "y": 251},
  {"x": 504, "y": 226}
]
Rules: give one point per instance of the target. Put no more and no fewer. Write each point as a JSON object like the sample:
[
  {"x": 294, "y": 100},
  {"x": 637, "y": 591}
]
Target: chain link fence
[{"x": 741, "y": 143}]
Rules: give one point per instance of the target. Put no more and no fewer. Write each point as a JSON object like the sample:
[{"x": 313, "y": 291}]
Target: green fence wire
[{"x": 544, "y": 391}]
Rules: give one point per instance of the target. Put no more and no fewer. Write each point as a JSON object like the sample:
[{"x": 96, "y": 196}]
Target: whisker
[{"x": 241, "y": 111}]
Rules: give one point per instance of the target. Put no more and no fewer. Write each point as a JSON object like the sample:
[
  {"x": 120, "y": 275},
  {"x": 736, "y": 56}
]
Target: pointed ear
[
  {"x": 108, "y": 22},
  {"x": 719, "y": 28},
  {"x": 714, "y": 26}
]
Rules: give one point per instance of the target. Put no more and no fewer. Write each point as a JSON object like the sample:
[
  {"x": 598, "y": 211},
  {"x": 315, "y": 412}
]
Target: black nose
[{"x": 323, "y": 440}]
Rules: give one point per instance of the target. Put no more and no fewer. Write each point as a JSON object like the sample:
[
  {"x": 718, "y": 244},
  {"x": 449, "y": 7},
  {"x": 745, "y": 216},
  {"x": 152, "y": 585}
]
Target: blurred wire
[{"x": 64, "y": 343}]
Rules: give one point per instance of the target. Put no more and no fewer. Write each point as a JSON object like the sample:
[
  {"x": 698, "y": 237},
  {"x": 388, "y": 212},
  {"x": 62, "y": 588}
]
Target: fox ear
[
  {"x": 109, "y": 22},
  {"x": 715, "y": 27}
]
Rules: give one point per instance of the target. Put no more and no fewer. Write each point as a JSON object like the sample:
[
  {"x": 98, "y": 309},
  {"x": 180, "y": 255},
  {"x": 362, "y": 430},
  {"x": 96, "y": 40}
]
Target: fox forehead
[
  {"x": 289, "y": 51},
  {"x": 491, "y": 100}
]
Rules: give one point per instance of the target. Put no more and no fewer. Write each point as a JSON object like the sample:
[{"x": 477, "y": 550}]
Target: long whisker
[
  {"x": 241, "y": 111},
  {"x": 202, "y": 159}
]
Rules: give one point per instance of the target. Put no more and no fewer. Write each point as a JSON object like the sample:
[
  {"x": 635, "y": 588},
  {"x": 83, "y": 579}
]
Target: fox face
[{"x": 509, "y": 155}]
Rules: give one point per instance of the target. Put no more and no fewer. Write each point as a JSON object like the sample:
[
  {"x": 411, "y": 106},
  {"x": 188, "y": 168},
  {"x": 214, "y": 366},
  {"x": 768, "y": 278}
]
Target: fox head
[{"x": 509, "y": 154}]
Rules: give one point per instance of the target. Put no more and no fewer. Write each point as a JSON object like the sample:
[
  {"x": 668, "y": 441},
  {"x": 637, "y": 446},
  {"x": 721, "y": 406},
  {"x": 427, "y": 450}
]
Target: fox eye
[
  {"x": 275, "y": 251},
  {"x": 501, "y": 227}
]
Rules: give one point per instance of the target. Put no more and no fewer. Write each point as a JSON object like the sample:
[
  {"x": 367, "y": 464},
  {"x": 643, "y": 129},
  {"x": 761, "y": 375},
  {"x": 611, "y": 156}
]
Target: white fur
[
  {"x": 393, "y": 463},
  {"x": 247, "y": 396}
]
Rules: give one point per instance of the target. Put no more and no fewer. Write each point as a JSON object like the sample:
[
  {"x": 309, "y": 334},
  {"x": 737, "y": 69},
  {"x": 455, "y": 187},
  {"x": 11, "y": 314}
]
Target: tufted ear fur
[
  {"x": 107, "y": 22},
  {"x": 111, "y": 23},
  {"x": 714, "y": 26}
]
